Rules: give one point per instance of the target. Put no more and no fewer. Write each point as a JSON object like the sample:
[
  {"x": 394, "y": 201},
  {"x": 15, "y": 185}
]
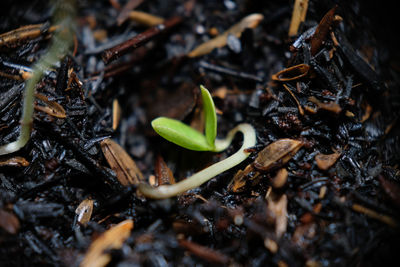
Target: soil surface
[{"x": 320, "y": 188}]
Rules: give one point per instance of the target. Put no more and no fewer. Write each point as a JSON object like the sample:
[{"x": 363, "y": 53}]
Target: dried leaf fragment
[
  {"x": 277, "y": 154},
  {"x": 113, "y": 238},
  {"x": 324, "y": 161},
  {"x": 121, "y": 163},
  {"x": 291, "y": 73},
  {"x": 84, "y": 211},
  {"x": 250, "y": 21},
  {"x": 9, "y": 222},
  {"x": 52, "y": 108}
]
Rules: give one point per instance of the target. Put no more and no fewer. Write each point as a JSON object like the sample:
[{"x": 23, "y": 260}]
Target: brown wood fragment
[
  {"x": 278, "y": 208},
  {"x": 23, "y": 34},
  {"x": 121, "y": 163},
  {"x": 324, "y": 161},
  {"x": 14, "y": 162},
  {"x": 9, "y": 222},
  {"x": 280, "y": 178},
  {"x": 145, "y": 18},
  {"x": 375, "y": 215},
  {"x": 84, "y": 211},
  {"x": 322, "y": 31},
  {"x": 250, "y": 21},
  {"x": 291, "y": 73},
  {"x": 116, "y": 114},
  {"x": 271, "y": 245},
  {"x": 51, "y": 108},
  {"x": 329, "y": 106},
  {"x": 11, "y": 76},
  {"x": 163, "y": 173},
  {"x": 298, "y": 16},
  {"x": 97, "y": 254},
  {"x": 240, "y": 179},
  {"x": 126, "y": 9},
  {"x": 205, "y": 253},
  {"x": 277, "y": 154}
]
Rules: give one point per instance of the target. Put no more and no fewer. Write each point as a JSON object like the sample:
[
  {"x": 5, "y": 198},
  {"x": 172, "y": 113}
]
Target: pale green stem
[{"x": 197, "y": 179}]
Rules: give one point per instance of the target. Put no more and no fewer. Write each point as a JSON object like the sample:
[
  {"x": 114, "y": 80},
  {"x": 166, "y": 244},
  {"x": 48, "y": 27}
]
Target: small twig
[
  {"x": 139, "y": 40},
  {"x": 231, "y": 72}
]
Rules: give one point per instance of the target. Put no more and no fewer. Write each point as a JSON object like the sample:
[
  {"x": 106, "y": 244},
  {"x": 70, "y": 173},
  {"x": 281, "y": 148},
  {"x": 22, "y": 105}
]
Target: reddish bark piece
[{"x": 322, "y": 31}]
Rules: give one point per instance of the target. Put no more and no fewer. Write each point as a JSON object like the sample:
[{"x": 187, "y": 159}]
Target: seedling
[{"x": 183, "y": 135}]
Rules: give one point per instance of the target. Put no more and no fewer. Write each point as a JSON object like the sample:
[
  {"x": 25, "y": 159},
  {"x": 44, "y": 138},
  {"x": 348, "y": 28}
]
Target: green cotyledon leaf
[
  {"x": 210, "y": 116},
  {"x": 180, "y": 134}
]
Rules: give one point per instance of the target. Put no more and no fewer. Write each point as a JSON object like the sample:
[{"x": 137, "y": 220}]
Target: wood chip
[
  {"x": 113, "y": 238},
  {"x": 84, "y": 211},
  {"x": 298, "y": 16},
  {"x": 9, "y": 222},
  {"x": 14, "y": 162},
  {"x": 251, "y": 21},
  {"x": 375, "y": 215},
  {"x": 145, "y": 18},
  {"x": 240, "y": 179},
  {"x": 51, "y": 108},
  {"x": 277, "y": 154},
  {"x": 116, "y": 114},
  {"x": 324, "y": 161},
  {"x": 23, "y": 34},
  {"x": 291, "y": 73},
  {"x": 280, "y": 178},
  {"x": 121, "y": 163},
  {"x": 278, "y": 207}
]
